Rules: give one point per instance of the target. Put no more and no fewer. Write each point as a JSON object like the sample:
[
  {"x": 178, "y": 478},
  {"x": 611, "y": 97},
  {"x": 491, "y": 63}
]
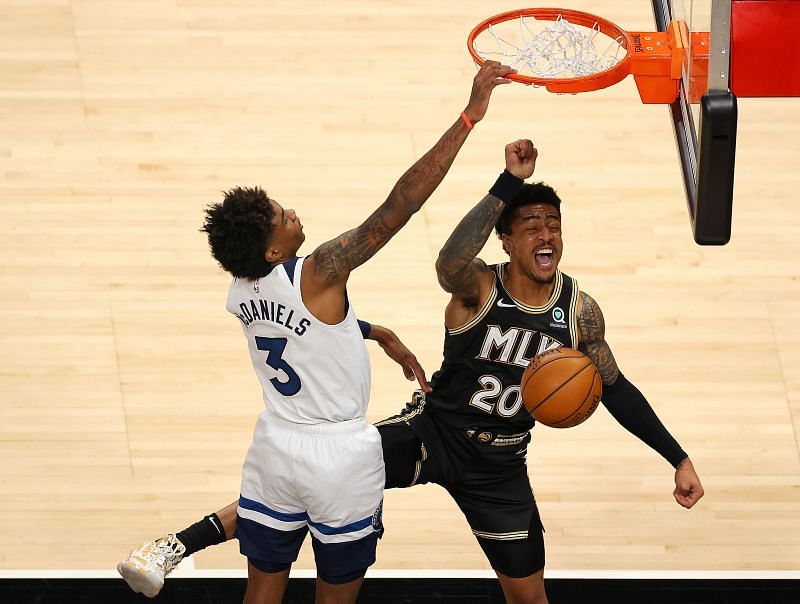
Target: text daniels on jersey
[{"x": 267, "y": 310}]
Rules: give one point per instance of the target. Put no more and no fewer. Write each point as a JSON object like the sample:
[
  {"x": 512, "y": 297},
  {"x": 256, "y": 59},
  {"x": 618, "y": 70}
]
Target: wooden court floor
[{"x": 127, "y": 399}]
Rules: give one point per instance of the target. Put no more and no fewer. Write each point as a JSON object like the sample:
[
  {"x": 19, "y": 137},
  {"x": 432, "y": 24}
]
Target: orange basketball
[{"x": 561, "y": 387}]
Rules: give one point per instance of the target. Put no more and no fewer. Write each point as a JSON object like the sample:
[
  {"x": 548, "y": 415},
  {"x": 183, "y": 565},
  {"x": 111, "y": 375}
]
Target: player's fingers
[
  {"x": 698, "y": 493},
  {"x": 494, "y": 73},
  {"x": 519, "y": 149},
  {"x": 687, "y": 496},
  {"x": 496, "y": 68},
  {"x": 681, "y": 499},
  {"x": 528, "y": 148},
  {"x": 502, "y": 71},
  {"x": 411, "y": 367},
  {"x": 419, "y": 374},
  {"x": 500, "y": 77},
  {"x": 514, "y": 147}
]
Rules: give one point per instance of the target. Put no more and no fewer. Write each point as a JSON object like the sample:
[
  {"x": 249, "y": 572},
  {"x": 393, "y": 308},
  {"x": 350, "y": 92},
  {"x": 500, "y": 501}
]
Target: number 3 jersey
[
  {"x": 310, "y": 372},
  {"x": 477, "y": 386}
]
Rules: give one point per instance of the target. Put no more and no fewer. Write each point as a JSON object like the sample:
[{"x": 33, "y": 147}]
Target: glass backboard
[{"x": 704, "y": 115}]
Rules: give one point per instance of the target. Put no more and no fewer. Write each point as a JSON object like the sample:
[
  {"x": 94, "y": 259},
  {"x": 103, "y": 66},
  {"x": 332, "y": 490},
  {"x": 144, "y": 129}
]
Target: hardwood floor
[{"x": 127, "y": 400}]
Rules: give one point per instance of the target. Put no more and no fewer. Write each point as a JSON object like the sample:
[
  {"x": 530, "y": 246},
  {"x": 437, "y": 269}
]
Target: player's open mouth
[{"x": 544, "y": 257}]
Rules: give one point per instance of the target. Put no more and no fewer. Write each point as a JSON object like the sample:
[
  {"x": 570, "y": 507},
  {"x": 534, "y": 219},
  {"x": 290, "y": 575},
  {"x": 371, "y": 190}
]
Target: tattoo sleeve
[
  {"x": 591, "y": 331},
  {"x": 336, "y": 258},
  {"x": 455, "y": 267}
]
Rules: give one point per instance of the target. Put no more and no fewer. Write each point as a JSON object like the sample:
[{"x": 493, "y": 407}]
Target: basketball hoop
[{"x": 568, "y": 51}]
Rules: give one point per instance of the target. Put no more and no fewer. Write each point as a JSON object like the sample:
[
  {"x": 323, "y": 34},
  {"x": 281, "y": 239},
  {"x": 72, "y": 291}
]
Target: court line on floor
[{"x": 435, "y": 573}]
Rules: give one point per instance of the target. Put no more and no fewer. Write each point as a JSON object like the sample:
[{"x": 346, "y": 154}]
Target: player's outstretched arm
[
  {"x": 628, "y": 405},
  {"x": 334, "y": 260}
]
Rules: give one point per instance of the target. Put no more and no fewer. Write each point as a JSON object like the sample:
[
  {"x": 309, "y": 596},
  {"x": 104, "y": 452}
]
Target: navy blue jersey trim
[
  {"x": 249, "y": 504},
  {"x": 365, "y": 328},
  {"x": 338, "y": 530},
  {"x": 290, "y": 266},
  {"x": 325, "y": 529}
]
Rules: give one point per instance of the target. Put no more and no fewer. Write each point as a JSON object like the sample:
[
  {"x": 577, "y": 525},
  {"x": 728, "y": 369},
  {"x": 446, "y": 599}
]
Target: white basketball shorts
[{"x": 327, "y": 478}]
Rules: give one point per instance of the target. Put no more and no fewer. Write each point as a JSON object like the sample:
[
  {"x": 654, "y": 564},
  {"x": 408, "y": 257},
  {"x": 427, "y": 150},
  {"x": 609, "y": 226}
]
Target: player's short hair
[
  {"x": 238, "y": 230},
  {"x": 529, "y": 194}
]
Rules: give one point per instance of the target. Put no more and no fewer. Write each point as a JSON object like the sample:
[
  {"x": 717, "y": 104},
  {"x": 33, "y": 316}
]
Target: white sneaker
[{"x": 145, "y": 568}]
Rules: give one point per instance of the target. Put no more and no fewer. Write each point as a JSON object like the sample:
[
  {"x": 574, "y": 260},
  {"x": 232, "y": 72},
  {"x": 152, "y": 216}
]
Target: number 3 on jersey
[{"x": 274, "y": 348}]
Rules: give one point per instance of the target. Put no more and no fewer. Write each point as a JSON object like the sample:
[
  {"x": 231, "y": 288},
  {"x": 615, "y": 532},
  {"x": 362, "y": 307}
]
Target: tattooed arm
[
  {"x": 592, "y": 338},
  {"x": 458, "y": 269},
  {"x": 629, "y": 407},
  {"x": 329, "y": 266}
]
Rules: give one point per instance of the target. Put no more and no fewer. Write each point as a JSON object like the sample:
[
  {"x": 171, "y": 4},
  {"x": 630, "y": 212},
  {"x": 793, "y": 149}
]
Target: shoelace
[{"x": 166, "y": 553}]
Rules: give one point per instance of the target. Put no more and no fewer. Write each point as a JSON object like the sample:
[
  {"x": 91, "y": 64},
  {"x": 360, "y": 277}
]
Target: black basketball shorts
[{"x": 495, "y": 496}]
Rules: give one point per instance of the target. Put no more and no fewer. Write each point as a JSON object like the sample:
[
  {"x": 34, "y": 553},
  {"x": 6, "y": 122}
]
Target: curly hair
[
  {"x": 537, "y": 192},
  {"x": 238, "y": 229}
]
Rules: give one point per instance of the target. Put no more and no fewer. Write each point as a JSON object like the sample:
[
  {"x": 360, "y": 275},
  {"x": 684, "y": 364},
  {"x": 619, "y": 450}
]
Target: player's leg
[
  {"x": 332, "y": 593},
  {"x": 499, "y": 506},
  {"x": 341, "y": 565},
  {"x": 341, "y": 479},
  {"x": 272, "y": 519},
  {"x": 405, "y": 456},
  {"x": 344, "y": 589},
  {"x": 518, "y": 563},
  {"x": 523, "y": 590},
  {"x": 265, "y": 587},
  {"x": 402, "y": 454},
  {"x": 146, "y": 567},
  {"x": 213, "y": 529},
  {"x": 227, "y": 517}
]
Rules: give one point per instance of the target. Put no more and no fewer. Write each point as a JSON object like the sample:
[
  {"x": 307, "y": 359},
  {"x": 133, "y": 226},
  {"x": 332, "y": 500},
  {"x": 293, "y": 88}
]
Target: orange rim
[{"x": 595, "y": 81}]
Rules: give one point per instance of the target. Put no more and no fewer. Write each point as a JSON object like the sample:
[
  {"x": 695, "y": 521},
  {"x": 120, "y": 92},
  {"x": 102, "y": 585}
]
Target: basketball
[{"x": 561, "y": 388}]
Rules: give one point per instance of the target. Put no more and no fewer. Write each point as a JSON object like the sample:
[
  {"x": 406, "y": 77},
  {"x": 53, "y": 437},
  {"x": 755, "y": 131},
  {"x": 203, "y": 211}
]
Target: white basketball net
[{"x": 559, "y": 49}]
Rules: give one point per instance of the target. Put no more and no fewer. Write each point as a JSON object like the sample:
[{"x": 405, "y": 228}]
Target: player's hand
[
  {"x": 400, "y": 354},
  {"x": 490, "y": 74},
  {"x": 521, "y": 158},
  {"x": 688, "y": 489}
]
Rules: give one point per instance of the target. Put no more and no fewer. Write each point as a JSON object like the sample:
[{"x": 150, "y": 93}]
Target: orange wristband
[{"x": 469, "y": 124}]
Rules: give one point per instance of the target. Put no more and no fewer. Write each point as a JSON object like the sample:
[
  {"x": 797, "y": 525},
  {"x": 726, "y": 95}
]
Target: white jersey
[{"x": 310, "y": 372}]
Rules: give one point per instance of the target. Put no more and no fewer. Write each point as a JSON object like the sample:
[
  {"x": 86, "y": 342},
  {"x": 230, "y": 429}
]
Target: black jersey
[{"x": 478, "y": 383}]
